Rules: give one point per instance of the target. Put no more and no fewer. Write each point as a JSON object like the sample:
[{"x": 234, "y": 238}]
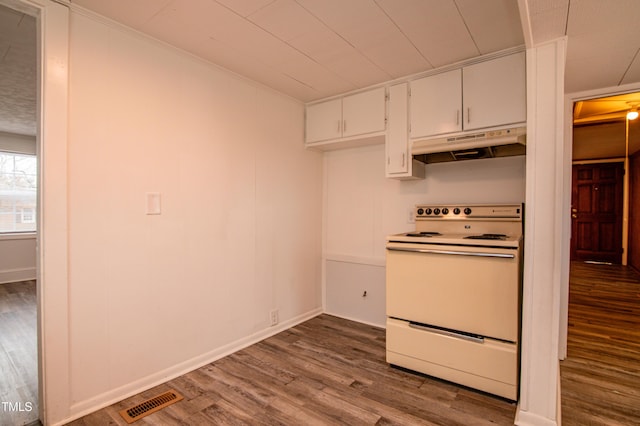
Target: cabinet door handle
[
  {"x": 388, "y": 160},
  {"x": 339, "y": 126},
  {"x": 468, "y": 115},
  {"x": 344, "y": 126},
  {"x": 403, "y": 158},
  {"x": 457, "y": 117}
]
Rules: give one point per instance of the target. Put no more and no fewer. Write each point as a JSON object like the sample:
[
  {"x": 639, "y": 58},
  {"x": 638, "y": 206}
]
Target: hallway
[{"x": 601, "y": 375}]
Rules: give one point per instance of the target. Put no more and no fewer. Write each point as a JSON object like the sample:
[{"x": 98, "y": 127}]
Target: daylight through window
[{"x": 18, "y": 188}]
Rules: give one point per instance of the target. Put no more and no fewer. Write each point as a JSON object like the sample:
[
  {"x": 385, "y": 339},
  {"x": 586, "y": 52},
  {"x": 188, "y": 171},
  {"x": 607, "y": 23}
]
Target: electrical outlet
[
  {"x": 274, "y": 317},
  {"x": 411, "y": 215}
]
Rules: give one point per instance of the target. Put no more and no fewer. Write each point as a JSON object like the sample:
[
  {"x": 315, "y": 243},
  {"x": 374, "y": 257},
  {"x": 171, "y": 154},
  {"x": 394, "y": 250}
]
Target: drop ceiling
[{"x": 311, "y": 49}]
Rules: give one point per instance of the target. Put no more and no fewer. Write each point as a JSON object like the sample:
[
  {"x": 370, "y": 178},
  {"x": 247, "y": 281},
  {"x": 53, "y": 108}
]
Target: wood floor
[
  {"x": 326, "y": 371},
  {"x": 600, "y": 378},
  {"x": 18, "y": 354}
]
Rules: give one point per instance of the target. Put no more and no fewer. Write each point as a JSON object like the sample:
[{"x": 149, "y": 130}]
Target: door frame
[
  {"x": 52, "y": 20},
  {"x": 570, "y": 99}
]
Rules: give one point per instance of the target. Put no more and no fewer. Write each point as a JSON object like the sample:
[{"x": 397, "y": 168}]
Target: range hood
[{"x": 471, "y": 146}]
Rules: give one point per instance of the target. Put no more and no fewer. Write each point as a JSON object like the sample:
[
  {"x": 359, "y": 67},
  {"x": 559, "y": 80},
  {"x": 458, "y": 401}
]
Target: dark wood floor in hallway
[
  {"x": 600, "y": 377},
  {"x": 326, "y": 371}
]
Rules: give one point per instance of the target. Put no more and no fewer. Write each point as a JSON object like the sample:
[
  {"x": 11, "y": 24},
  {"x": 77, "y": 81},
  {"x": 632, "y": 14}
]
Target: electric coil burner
[{"x": 453, "y": 295}]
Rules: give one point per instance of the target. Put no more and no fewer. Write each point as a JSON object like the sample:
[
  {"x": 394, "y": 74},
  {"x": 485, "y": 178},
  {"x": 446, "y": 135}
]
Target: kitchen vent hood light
[
  {"x": 632, "y": 115},
  {"x": 488, "y": 144}
]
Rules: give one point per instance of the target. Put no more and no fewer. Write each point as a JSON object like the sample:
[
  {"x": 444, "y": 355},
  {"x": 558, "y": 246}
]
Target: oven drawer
[
  {"x": 471, "y": 289},
  {"x": 491, "y": 366}
]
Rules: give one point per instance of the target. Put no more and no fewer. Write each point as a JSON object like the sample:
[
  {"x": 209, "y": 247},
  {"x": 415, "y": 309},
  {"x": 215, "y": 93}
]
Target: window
[{"x": 18, "y": 186}]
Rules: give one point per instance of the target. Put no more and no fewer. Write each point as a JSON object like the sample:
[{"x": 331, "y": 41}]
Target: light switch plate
[{"x": 153, "y": 203}]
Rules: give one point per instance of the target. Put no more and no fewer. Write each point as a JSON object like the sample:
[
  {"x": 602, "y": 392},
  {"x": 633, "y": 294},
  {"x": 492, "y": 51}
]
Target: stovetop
[
  {"x": 471, "y": 225},
  {"x": 501, "y": 240}
]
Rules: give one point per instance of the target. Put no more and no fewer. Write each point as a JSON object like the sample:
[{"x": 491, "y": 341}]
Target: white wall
[
  {"x": 17, "y": 258},
  {"x": 152, "y": 296},
  {"x": 362, "y": 207}
]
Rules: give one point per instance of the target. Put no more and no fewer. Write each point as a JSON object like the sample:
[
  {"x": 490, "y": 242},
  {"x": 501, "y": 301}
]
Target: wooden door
[{"x": 596, "y": 207}]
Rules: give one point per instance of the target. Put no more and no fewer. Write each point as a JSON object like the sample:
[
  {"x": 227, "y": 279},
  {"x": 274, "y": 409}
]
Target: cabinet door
[
  {"x": 324, "y": 121},
  {"x": 495, "y": 92},
  {"x": 397, "y": 144},
  {"x": 364, "y": 113},
  {"x": 436, "y": 103}
]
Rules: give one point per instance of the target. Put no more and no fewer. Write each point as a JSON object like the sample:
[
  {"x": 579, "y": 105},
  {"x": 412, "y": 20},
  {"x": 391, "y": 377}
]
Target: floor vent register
[{"x": 150, "y": 406}]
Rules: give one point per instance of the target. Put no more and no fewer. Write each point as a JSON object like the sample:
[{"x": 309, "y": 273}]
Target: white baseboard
[
  {"x": 15, "y": 275},
  {"x": 98, "y": 402},
  {"x": 526, "y": 418}
]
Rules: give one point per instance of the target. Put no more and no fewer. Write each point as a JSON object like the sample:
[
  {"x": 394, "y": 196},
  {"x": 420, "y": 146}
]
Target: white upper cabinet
[
  {"x": 478, "y": 96},
  {"x": 324, "y": 121},
  {"x": 363, "y": 113},
  {"x": 400, "y": 164},
  {"x": 436, "y": 104},
  {"x": 495, "y": 92},
  {"x": 350, "y": 117}
]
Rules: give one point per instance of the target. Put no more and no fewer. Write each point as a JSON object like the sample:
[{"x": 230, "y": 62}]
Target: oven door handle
[
  {"x": 456, "y": 253},
  {"x": 477, "y": 339}
]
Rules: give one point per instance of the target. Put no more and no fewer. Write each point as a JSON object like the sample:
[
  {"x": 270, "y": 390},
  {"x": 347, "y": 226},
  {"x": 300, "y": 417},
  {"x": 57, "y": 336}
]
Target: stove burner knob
[
  {"x": 420, "y": 212},
  {"x": 456, "y": 211},
  {"x": 445, "y": 211},
  {"x": 428, "y": 211},
  {"x": 467, "y": 211},
  {"x": 436, "y": 211}
]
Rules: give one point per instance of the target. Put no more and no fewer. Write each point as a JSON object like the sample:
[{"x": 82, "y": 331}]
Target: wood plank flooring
[
  {"x": 18, "y": 353},
  {"x": 326, "y": 371},
  {"x": 600, "y": 378}
]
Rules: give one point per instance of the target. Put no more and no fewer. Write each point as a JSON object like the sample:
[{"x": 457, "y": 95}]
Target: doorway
[
  {"x": 603, "y": 141},
  {"x": 18, "y": 217}
]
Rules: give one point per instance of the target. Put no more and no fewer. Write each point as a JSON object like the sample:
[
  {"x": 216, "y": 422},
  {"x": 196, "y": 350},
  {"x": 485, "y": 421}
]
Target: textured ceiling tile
[
  {"x": 286, "y": 20},
  {"x": 548, "y": 19},
  {"x": 584, "y": 65},
  {"x": 632, "y": 74},
  {"x": 494, "y": 24},
  {"x": 364, "y": 25},
  {"x": 245, "y": 7},
  {"x": 131, "y": 13},
  {"x": 18, "y": 88},
  {"x": 330, "y": 50},
  {"x": 435, "y": 27}
]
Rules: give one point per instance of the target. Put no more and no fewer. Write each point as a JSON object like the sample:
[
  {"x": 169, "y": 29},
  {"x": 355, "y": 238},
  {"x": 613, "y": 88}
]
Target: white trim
[
  {"x": 18, "y": 274},
  {"x": 569, "y": 100},
  {"x": 382, "y": 326},
  {"x": 52, "y": 245},
  {"x": 18, "y": 236},
  {"x": 360, "y": 260},
  {"x": 98, "y": 402},
  {"x": 544, "y": 226}
]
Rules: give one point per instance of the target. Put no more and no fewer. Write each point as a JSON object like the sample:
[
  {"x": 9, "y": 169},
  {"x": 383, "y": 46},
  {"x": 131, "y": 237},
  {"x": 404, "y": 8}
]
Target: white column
[
  {"x": 52, "y": 227},
  {"x": 545, "y": 235}
]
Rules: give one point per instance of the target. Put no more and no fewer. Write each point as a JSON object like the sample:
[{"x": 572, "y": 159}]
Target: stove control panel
[{"x": 476, "y": 211}]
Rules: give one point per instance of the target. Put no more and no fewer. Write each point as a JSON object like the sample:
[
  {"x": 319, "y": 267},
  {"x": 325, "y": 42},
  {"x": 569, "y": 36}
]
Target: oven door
[{"x": 469, "y": 289}]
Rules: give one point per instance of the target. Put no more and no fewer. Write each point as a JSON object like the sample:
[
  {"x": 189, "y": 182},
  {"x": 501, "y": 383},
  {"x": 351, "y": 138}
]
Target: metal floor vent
[{"x": 150, "y": 406}]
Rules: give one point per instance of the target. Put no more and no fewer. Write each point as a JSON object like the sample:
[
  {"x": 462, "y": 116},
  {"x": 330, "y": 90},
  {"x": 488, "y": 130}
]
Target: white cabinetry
[
  {"x": 348, "y": 121},
  {"x": 324, "y": 121},
  {"x": 400, "y": 164},
  {"x": 436, "y": 104},
  {"x": 483, "y": 95}
]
